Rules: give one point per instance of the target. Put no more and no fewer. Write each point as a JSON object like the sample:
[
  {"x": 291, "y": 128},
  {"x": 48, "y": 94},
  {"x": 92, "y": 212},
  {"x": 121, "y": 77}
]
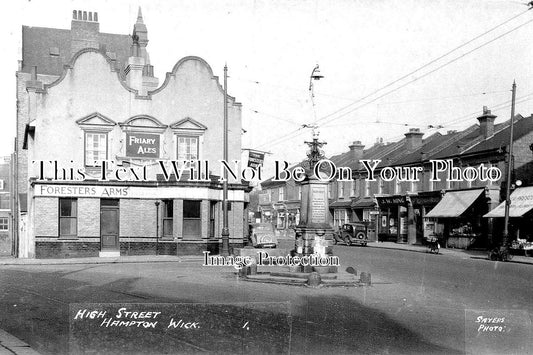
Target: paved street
[{"x": 419, "y": 303}]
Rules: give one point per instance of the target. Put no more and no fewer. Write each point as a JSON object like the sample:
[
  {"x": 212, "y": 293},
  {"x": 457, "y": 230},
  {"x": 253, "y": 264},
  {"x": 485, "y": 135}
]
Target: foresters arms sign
[
  {"x": 142, "y": 145},
  {"x": 200, "y": 170}
]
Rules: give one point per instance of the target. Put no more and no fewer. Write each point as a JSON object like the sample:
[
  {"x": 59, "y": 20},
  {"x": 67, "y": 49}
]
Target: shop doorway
[{"x": 109, "y": 227}]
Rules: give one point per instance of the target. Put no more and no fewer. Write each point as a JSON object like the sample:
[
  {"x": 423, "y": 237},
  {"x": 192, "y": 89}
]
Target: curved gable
[{"x": 143, "y": 122}]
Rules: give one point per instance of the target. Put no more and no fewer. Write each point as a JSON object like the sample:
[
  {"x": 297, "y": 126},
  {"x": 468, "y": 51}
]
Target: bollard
[
  {"x": 351, "y": 270},
  {"x": 314, "y": 279},
  {"x": 252, "y": 269},
  {"x": 365, "y": 278},
  {"x": 243, "y": 271}
]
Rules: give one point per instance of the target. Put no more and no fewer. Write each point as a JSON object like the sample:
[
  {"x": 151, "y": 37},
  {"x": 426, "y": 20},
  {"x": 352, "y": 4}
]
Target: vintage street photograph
[{"x": 270, "y": 177}]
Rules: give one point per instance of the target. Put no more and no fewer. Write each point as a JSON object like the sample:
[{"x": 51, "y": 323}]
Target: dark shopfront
[
  {"x": 401, "y": 217},
  {"x": 392, "y": 226}
]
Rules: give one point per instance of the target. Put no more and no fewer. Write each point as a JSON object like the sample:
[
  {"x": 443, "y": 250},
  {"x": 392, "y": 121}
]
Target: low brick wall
[{"x": 60, "y": 250}]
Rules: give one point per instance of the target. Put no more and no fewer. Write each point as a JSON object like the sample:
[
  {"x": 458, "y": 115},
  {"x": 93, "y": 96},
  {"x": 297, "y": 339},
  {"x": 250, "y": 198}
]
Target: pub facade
[{"x": 110, "y": 162}]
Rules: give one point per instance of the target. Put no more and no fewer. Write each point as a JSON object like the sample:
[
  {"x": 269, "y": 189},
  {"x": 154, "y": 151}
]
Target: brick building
[
  {"x": 6, "y": 217},
  {"x": 89, "y": 101},
  {"x": 410, "y": 211}
]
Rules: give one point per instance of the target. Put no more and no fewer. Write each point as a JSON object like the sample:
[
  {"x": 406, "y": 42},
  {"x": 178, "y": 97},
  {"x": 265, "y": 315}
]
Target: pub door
[{"x": 109, "y": 226}]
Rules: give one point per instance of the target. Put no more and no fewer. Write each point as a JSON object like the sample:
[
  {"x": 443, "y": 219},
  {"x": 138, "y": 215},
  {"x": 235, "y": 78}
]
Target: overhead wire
[
  {"x": 288, "y": 135},
  {"x": 424, "y": 75}
]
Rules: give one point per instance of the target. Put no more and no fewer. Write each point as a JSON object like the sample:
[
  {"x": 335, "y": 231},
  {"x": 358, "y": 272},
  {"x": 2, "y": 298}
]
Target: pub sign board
[
  {"x": 255, "y": 159},
  {"x": 142, "y": 145}
]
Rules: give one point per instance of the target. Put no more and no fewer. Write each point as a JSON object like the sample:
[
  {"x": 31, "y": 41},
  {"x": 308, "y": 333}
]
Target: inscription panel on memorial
[{"x": 318, "y": 204}]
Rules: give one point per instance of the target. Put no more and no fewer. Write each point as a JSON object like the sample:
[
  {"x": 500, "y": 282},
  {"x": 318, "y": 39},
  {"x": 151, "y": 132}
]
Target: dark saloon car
[
  {"x": 262, "y": 235},
  {"x": 352, "y": 233}
]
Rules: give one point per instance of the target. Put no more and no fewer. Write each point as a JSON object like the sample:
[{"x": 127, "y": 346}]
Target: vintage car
[
  {"x": 352, "y": 233},
  {"x": 262, "y": 235}
]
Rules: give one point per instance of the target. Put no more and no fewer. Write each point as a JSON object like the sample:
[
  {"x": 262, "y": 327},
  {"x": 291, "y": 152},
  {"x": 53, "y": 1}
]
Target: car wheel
[
  {"x": 360, "y": 235},
  {"x": 348, "y": 241}
]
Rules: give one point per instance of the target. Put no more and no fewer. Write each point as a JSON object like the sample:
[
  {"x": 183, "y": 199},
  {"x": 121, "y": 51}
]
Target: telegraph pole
[
  {"x": 505, "y": 241},
  {"x": 225, "y": 230}
]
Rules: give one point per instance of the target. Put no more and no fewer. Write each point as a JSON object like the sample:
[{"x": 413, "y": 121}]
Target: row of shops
[{"x": 469, "y": 218}]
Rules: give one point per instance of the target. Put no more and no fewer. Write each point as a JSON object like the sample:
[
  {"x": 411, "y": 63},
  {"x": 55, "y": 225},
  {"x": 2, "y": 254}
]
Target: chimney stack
[
  {"x": 356, "y": 150},
  {"x": 486, "y": 123},
  {"x": 84, "y": 30},
  {"x": 413, "y": 139}
]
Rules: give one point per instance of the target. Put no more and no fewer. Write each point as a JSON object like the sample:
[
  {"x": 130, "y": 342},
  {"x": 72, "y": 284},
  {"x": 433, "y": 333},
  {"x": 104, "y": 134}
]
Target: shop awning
[
  {"x": 521, "y": 203},
  {"x": 365, "y": 202},
  {"x": 341, "y": 204},
  {"x": 454, "y": 203}
]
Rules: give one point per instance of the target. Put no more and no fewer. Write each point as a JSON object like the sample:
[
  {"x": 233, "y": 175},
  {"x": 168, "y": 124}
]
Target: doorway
[{"x": 109, "y": 227}]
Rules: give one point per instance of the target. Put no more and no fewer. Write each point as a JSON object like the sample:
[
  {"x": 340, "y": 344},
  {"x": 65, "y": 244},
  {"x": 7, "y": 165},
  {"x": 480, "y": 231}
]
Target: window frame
[
  {"x": 165, "y": 217},
  {"x": 197, "y": 138},
  {"x": 2, "y": 224},
  {"x": 85, "y": 133},
  {"x": 60, "y": 217}
]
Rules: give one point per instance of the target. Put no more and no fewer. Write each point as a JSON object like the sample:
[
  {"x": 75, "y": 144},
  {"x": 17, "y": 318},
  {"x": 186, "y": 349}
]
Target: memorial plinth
[{"x": 314, "y": 234}]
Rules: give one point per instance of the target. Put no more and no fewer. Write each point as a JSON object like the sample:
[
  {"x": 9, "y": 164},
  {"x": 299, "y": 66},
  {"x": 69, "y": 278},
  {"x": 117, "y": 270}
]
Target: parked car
[
  {"x": 352, "y": 233},
  {"x": 262, "y": 235}
]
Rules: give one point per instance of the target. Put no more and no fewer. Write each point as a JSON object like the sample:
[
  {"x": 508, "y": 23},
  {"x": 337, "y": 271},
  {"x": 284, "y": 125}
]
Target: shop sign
[
  {"x": 255, "y": 159},
  {"x": 387, "y": 201},
  {"x": 425, "y": 200},
  {"x": 142, "y": 145},
  {"x": 101, "y": 191}
]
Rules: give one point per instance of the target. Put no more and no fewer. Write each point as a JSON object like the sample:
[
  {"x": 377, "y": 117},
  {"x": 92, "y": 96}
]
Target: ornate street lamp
[{"x": 225, "y": 229}]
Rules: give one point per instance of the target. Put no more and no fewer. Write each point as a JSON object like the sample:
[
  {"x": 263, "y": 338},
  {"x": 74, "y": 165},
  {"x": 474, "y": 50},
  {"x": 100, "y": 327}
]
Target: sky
[{"x": 369, "y": 52}]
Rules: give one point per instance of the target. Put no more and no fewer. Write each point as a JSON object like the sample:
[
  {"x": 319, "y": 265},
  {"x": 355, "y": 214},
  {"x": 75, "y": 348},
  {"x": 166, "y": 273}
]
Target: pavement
[
  {"x": 10, "y": 345},
  {"x": 461, "y": 253}
]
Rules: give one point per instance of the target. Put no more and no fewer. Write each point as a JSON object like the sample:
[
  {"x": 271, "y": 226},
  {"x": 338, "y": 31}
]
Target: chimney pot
[
  {"x": 356, "y": 151},
  {"x": 413, "y": 139},
  {"x": 486, "y": 123}
]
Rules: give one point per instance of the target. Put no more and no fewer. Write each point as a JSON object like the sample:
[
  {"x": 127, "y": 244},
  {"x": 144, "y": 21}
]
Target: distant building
[
  {"x": 410, "y": 211},
  {"x": 85, "y": 97},
  {"x": 6, "y": 216}
]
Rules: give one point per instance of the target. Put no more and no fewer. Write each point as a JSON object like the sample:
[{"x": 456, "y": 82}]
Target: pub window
[
  {"x": 68, "y": 217},
  {"x": 281, "y": 194},
  {"x": 299, "y": 192},
  {"x": 2, "y": 184},
  {"x": 329, "y": 190},
  {"x": 191, "y": 219},
  {"x": 341, "y": 189},
  {"x": 168, "y": 215},
  {"x": 4, "y": 224},
  {"x": 352, "y": 188},
  {"x": 4, "y": 201},
  {"x": 187, "y": 148},
  {"x": 95, "y": 148}
]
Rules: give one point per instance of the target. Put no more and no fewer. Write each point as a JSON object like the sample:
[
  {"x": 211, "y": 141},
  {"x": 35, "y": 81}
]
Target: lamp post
[
  {"x": 156, "y": 227},
  {"x": 505, "y": 239},
  {"x": 225, "y": 229}
]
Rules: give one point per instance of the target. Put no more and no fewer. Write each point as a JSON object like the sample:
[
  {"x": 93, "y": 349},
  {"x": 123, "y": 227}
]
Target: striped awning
[
  {"x": 455, "y": 203},
  {"x": 521, "y": 203}
]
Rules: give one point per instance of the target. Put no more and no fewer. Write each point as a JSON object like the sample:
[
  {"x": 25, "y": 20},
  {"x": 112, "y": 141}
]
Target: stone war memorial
[{"x": 311, "y": 261}]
